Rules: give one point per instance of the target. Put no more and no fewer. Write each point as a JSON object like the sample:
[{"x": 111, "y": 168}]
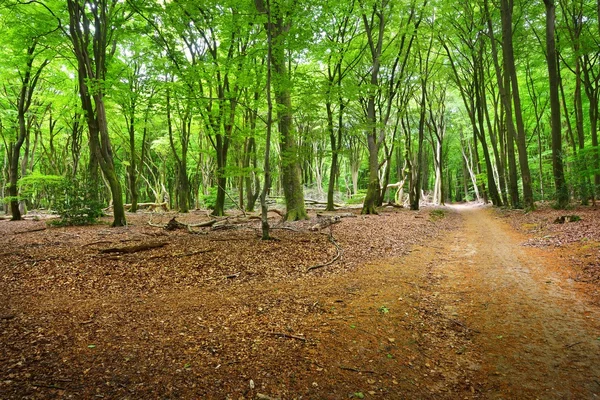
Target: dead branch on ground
[
  {"x": 134, "y": 249},
  {"x": 337, "y": 256},
  {"x": 31, "y": 230},
  {"x": 325, "y": 223},
  {"x": 181, "y": 255},
  {"x": 334, "y": 214},
  {"x": 232, "y": 276},
  {"x": 356, "y": 370},
  {"x": 286, "y": 335}
]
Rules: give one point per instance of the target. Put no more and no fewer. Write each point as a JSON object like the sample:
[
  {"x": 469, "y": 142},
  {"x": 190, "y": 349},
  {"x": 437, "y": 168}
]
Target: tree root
[{"x": 337, "y": 256}]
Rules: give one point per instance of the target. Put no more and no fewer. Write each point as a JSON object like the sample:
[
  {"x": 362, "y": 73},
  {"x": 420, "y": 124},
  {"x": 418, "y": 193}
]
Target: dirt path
[{"x": 536, "y": 338}]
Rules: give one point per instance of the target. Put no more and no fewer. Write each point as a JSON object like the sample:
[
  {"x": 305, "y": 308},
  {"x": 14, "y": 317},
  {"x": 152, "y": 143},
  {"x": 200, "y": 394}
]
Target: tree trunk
[
  {"x": 290, "y": 165},
  {"x": 510, "y": 71},
  {"x": 91, "y": 76},
  {"x": 562, "y": 194}
]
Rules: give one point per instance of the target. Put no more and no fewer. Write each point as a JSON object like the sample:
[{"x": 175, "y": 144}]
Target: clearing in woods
[{"x": 470, "y": 313}]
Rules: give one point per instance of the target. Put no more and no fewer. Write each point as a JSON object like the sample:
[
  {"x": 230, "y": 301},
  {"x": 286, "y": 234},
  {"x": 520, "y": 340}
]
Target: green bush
[
  {"x": 210, "y": 200},
  {"x": 79, "y": 205},
  {"x": 358, "y": 198}
]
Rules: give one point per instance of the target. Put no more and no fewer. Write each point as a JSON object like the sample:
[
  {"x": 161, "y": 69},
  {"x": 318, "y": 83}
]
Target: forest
[
  {"x": 232, "y": 104},
  {"x": 284, "y": 199}
]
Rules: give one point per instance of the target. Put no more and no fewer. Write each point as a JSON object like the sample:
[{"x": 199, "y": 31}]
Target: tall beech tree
[
  {"x": 562, "y": 194},
  {"x": 281, "y": 16},
  {"x": 91, "y": 32}
]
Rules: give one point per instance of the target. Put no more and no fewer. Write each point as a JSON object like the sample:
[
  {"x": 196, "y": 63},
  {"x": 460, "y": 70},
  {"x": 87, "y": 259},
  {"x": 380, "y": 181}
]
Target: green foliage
[
  {"x": 437, "y": 214},
  {"x": 358, "y": 198},
  {"x": 210, "y": 200},
  {"x": 78, "y": 204},
  {"x": 42, "y": 191}
]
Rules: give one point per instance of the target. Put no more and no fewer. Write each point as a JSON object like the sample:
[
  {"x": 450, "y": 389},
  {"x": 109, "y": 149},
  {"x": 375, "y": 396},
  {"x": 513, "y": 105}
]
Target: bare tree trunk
[{"x": 562, "y": 194}]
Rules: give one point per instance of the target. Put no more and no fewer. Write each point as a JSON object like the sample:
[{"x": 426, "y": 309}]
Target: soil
[{"x": 459, "y": 302}]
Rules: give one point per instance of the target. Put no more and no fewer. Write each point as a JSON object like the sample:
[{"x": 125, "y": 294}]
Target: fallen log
[
  {"x": 323, "y": 203},
  {"x": 567, "y": 218},
  {"x": 31, "y": 230},
  {"x": 325, "y": 223},
  {"x": 134, "y": 249},
  {"x": 173, "y": 224},
  {"x": 151, "y": 206},
  {"x": 334, "y": 214}
]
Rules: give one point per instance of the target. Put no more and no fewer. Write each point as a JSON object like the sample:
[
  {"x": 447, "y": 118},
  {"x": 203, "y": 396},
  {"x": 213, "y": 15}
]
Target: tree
[
  {"x": 562, "y": 194},
  {"x": 278, "y": 28},
  {"x": 93, "y": 40}
]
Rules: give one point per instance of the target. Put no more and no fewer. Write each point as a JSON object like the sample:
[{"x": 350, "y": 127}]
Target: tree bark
[
  {"x": 91, "y": 76},
  {"x": 562, "y": 194},
  {"x": 510, "y": 71}
]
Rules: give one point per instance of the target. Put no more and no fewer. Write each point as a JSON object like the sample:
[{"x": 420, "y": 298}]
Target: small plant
[
  {"x": 384, "y": 310},
  {"x": 437, "y": 214}
]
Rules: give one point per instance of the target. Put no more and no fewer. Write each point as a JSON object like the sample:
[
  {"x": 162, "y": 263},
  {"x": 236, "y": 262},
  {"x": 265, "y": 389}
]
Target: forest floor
[{"x": 460, "y": 302}]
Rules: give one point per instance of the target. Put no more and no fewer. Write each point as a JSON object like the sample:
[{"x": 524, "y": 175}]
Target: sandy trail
[{"x": 535, "y": 336}]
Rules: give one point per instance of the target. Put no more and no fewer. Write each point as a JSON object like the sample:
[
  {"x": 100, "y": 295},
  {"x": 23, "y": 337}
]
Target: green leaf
[
  {"x": 91, "y": 346},
  {"x": 384, "y": 310},
  {"x": 359, "y": 395}
]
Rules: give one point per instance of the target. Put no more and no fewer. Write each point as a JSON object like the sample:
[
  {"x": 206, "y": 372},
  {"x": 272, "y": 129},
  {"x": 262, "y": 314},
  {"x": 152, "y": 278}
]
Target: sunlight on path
[{"x": 536, "y": 338}]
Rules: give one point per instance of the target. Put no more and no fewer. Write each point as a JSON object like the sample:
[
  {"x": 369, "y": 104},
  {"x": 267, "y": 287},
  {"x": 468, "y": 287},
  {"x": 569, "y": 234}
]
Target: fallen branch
[
  {"x": 323, "y": 203},
  {"x": 261, "y": 396},
  {"x": 356, "y": 370},
  {"x": 286, "y": 335},
  {"x": 232, "y": 276},
  {"x": 334, "y": 214},
  {"x": 192, "y": 253},
  {"x": 43, "y": 385},
  {"x": 338, "y": 255},
  {"x": 173, "y": 224},
  {"x": 151, "y": 206},
  {"x": 134, "y": 249},
  {"x": 31, "y": 230},
  {"x": 325, "y": 223},
  {"x": 568, "y": 346}
]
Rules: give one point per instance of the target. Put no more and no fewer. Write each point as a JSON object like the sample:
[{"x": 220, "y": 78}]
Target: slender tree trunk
[
  {"x": 562, "y": 194},
  {"x": 510, "y": 70},
  {"x": 290, "y": 163}
]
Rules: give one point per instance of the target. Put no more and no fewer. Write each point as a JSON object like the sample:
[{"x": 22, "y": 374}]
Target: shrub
[{"x": 79, "y": 205}]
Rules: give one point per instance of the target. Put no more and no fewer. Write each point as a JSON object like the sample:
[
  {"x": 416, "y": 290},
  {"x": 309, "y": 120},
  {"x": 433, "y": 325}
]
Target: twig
[
  {"x": 134, "y": 249},
  {"x": 97, "y": 242},
  {"x": 193, "y": 253},
  {"x": 261, "y": 396},
  {"x": 285, "y": 335},
  {"x": 338, "y": 255},
  {"x": 31, "y": 230},
  {"x": 568, "y": 346},
  {"x": 232, "y": 276},
  {"x": 43, "y": 385},
  {"x": 233, "y": 201},
  {"x": 356, "y": 370}
]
